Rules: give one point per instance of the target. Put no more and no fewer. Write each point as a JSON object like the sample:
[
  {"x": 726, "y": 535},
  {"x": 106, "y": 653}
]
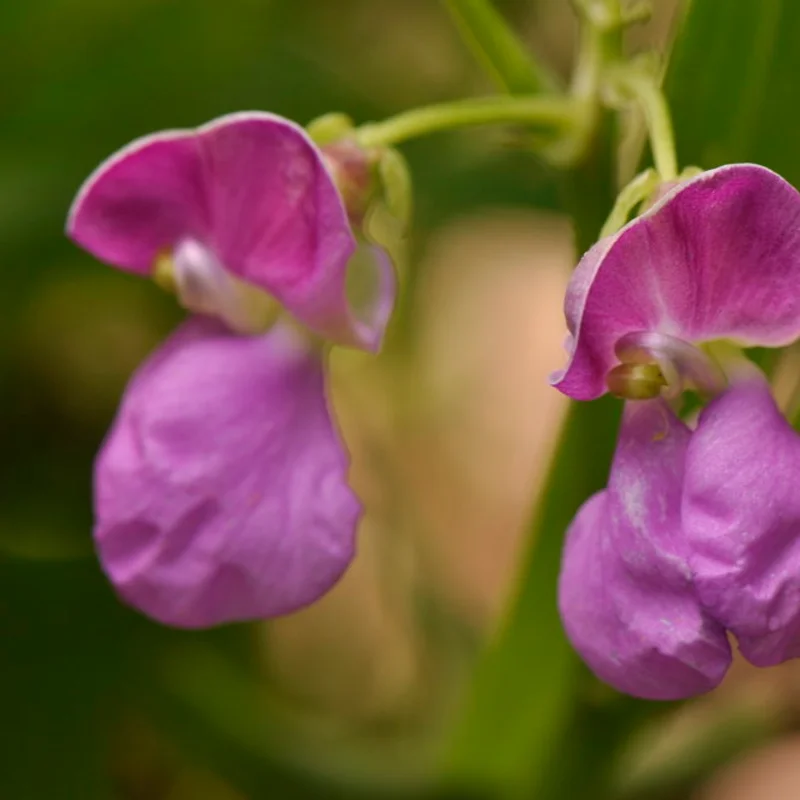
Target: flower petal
[
  {"x": 253, "y": 188},
  {"x": 741, "y": 513},
  {"x": 221, "y": 492},
  {"x": 278, "y": 219},
  {"x": 626, "y": 593},
  {"x": 142, "y": 200},
  {"x": 372, "y": 287},
  {"x": 717, "y": 257}
]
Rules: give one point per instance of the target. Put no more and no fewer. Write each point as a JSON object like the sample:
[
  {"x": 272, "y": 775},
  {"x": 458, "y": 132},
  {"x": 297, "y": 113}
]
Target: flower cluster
[
  {"x": 696, "y": 535},
  {"x": 221, "y": 490}
]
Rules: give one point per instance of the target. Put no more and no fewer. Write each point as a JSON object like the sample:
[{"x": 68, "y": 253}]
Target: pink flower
[
  {"x": 221, "y": 490},
  {"x": 698, "y": 531}
]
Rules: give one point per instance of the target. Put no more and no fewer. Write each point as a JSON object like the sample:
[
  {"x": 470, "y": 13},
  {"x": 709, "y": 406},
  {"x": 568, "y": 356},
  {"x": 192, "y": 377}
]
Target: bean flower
[
  {"x": 697, "y": 536},
  {"x": 221, "y": 490}
]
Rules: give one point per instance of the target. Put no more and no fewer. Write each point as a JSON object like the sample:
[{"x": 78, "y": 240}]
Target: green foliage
[{"x": 732, "y": 84}]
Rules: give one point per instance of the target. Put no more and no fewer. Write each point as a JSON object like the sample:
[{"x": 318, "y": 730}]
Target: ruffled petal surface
[
  {"x": 717, "y": 257},
  {"x": 221, "y": 491},
  {"x": 253, "y": 188},
  {"x": 626, "y": 594},
  {"x": 741, "y": 512}
]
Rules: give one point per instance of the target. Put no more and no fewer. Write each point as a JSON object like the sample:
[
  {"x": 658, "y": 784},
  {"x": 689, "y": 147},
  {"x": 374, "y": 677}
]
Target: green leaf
[
  {"x": 498, "y": 48},
  {"x": 524, "y": 693},
  {"x": 732, "y": 84}
]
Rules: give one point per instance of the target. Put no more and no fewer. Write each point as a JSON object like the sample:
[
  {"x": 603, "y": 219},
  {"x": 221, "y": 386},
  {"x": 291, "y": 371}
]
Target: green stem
[
  {"x": 498, "y": 48},
  {"x": 548, "y": 113},
  {"x": 644, "y": 89},
  {"x": 639, "y": 189},
  {"x": 597, "y": 48},
  {"x": 587, "y": 186}
]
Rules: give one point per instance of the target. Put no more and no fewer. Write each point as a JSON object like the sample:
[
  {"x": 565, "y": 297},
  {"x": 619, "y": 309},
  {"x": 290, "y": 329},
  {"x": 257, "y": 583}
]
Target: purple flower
[
  {"x": 698, "y": 533},
  {"x": 221, "y": 490}
]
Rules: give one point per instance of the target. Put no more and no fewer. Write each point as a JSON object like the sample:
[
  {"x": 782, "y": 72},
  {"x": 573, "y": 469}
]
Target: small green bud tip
[
  {"x": 329, "y": 128},
  {"x": 164, "y": 272},
  {"x": 636, "y": 381}
]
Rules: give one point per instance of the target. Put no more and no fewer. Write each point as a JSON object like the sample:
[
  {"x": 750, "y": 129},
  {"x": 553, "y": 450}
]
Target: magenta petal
[
  {"x": 742, "y": 518},
  {"x": 626, "y": 594},
  {"x": 143, "y": 199},
  {"x": 278, "y": 219},
  {"x": 718, "y": 257},
  {"x": 251, "y": 187},
  {"x": 221, "y": 492}
]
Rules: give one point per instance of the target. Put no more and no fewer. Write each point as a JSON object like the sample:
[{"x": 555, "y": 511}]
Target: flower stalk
[
  {"x": 643, "y": 88},
  {"x": 547, "y": 113},
  {"x": 634, "y": 193}
]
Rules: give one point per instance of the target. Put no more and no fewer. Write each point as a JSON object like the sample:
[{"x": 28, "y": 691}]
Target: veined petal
[
  {"x": 221, "y": 491},
  {"x": 626, "y": 594},
  {"x": 717, "y": 257},
  {"x": 741, "y": 513},
  {"x": 253, "y": 188}
]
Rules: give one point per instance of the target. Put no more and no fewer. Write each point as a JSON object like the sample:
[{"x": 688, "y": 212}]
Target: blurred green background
[{"x": 353, "y": 698}]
